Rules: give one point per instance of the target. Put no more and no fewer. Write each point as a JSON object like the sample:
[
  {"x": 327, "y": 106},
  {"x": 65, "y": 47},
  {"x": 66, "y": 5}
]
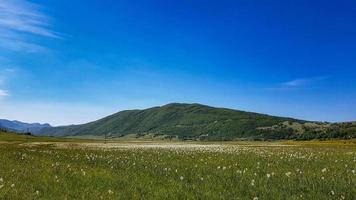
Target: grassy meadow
[{"x": 75, "y": 169}]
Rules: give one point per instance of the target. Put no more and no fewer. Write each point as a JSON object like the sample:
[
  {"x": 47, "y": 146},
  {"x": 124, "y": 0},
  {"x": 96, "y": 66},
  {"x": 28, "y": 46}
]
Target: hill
[
  {"x": 18, "y": 126},
  {"x": 196, "y": 121}
]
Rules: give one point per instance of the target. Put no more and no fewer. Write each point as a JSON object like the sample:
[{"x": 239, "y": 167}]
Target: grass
[
  {"x": 8, "y": 137},
  {"x": 71, "y": 169}
]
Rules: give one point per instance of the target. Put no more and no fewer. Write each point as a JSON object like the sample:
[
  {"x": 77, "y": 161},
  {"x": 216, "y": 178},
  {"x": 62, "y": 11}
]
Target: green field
[{"x": 78, "y": 169}]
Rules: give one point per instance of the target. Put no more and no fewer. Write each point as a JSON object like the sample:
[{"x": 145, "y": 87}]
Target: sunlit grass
[{"x": 177, "y": 172}]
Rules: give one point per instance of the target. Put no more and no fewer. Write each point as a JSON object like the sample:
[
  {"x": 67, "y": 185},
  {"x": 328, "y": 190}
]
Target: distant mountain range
[
  {"x": 18, "y": 126},
  {"x": 201, "y": 122}
]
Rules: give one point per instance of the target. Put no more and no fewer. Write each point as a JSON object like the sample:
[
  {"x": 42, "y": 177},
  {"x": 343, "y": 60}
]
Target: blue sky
[{"x": 69, "y": 62}]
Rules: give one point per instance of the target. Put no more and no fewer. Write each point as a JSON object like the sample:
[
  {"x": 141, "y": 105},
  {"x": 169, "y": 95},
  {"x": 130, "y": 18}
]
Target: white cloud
[
  {"x": 20, "y": 21},
  {"x": 18, "y": 45},
  {"x": 296, "y": 82},
  {"x": 3, "y": 93},
  {"x": 303, "y": 81},
  {"x": 5, "y": 74},
  {"x": 300, "y": 83}
]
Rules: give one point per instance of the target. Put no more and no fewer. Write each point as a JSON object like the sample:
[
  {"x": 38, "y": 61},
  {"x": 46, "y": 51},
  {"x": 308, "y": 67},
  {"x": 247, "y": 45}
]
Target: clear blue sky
[{"x": 74, "y": 61}]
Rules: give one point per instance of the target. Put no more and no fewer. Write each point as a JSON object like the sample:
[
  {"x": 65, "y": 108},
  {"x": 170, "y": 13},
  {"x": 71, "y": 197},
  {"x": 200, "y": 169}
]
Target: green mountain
[{"x": 195, "y": 121}]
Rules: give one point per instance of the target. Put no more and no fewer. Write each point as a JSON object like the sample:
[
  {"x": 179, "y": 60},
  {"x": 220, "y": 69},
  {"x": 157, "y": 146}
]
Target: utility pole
[{"x": 105, "y": 137}]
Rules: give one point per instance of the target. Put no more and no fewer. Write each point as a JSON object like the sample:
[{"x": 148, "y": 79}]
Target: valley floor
[{"x": 68, "y": 169}]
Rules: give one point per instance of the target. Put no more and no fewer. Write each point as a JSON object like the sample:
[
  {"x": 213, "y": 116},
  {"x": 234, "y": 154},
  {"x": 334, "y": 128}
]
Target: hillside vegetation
[{"x": 195, "y": 121}]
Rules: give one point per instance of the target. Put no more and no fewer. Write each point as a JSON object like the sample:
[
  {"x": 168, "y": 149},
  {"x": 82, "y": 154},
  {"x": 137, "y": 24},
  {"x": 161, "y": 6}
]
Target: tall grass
[{"x": 199, "y": 172}]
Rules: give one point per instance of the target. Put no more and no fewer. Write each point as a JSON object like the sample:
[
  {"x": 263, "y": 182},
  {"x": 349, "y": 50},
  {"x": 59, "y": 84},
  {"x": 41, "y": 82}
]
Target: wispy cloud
[
  {"x": 303, "y": 81},
  {"x": 4, "y": 76},
  {"x": 3, "y": 93},
  {"x": 299, "y": 83},
  {"x": 20, "y": 23},
  {"x": 14, "y": 44}
]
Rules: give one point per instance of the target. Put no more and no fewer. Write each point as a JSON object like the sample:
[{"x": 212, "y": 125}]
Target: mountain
[
  {"x": 196, "y": 121},
  {"x": 21, "y": 126}
]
